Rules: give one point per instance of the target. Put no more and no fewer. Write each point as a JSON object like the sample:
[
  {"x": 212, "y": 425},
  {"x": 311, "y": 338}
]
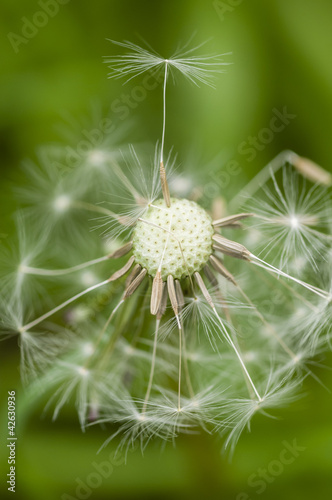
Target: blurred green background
[{"x": 281, "y": 57}]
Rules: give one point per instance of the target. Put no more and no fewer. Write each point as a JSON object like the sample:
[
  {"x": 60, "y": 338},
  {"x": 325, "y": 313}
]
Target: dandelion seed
[
  {"x": 295, "y": 217},
  {"x": 196, "y": 69}
]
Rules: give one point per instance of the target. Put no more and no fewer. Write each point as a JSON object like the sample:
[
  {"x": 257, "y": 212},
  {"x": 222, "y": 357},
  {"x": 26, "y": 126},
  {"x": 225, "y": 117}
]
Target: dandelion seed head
[
  {"x": 184, "y": 230},
  {"x": 213, "y": 361}
]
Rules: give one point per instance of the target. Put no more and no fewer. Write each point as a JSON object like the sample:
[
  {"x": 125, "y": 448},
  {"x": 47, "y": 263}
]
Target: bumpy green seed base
[{"x": 191, "y": 225}]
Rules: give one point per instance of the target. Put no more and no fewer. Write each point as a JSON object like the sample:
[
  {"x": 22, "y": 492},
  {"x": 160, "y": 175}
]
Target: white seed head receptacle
[{"x": 191, "y": 226}]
